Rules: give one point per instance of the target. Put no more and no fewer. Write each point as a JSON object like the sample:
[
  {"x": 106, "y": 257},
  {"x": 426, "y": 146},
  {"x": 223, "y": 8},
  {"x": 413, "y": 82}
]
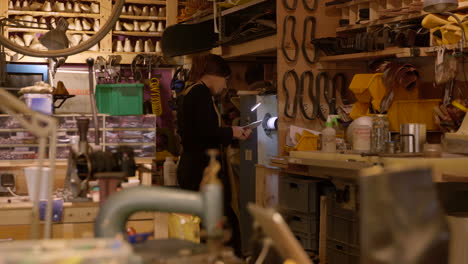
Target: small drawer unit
[
  {"x": 300, "y": 222},
  {"x": 340, "y": 253}
]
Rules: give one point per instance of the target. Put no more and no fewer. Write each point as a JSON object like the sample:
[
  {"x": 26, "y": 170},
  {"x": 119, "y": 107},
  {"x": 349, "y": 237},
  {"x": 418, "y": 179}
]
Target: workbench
[
  {"x": 77, "y": 221},
  {"x": 345, "y": 169}
]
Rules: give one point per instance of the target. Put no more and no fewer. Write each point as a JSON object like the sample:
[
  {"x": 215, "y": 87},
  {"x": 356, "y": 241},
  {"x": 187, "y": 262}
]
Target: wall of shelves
[{"x": 107, "y": 44}]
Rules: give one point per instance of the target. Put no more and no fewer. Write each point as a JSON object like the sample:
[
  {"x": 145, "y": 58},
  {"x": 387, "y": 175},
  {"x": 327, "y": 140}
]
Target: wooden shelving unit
[
  {"x": 257, "y": 47},
  {"x": 380, "y": 22},
  {"x": 387, "y": 53},
  {"x": 105, "y": 45}
]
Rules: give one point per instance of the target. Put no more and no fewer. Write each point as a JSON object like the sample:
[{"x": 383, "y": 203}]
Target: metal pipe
[{"x": 113, "y": 215}]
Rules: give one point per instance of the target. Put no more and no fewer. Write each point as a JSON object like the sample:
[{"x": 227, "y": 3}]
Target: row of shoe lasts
[
  {"x": 77, "y": 24},
  {"x": 133, "y": 10},
  {"x": 139, "y": 26},
  {"x": 76, "y": 39},
  {"x": 30, "y": 40},
  {"x": 140, "y": 46},
  {"x": 56, "y": 7}
]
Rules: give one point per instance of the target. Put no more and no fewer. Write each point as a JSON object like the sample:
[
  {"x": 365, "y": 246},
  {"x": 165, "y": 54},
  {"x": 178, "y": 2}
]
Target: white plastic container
[
  {"x": 329, "y": 137},
  {"x": 32, "y": 180},
  {"x": 362, "y": 138},
  {"x": 170, "y": 172}
]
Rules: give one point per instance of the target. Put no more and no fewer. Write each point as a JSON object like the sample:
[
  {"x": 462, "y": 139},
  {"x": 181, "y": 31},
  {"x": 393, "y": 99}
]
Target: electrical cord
[
  {"x": 344, "y": 88},
  {"x": 293, "y": 38},
  {"x": 11, "y": 192},
  {"x": 288, "y": 7},
  {"x": 308, "y": 7},
  {"x": 313, "y": 99},
  {"x": 313, "y": 23},
  {"x": 286, "y": 76},
  {"x": 267, "y": 242},
  {"x": 326, "y": 86}
]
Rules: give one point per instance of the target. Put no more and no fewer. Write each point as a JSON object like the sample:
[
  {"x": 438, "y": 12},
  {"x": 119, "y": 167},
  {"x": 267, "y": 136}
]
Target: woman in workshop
[{"x": 199, "y": 126}]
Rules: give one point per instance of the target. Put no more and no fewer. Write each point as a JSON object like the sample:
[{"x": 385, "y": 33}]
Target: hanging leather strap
[
  {"x": 313, "y": 99},
  {"x": 313, "y": 22},
  {"x": 293, "y": 38},
  {"x": 318, "y": 88},
  {"x": 287, "y": 106},
  {"x": 290, "y": 7}
]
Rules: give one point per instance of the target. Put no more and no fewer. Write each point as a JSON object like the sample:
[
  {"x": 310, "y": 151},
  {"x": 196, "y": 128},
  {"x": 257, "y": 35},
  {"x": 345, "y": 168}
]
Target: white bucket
[{"x": 32, "y": 180}]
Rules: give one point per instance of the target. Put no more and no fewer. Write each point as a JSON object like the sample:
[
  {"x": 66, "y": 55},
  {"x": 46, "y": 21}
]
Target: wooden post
[
  {"x": 323, "y": 230},
  {"x": 171, "y": 12}
]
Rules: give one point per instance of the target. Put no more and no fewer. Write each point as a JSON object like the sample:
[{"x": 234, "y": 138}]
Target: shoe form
[
  {"x": 25, "y": 5},
  {"x": 130, "y": 10},
  {"x": 128, "y": 45},
  {"x": 119, "y": 46},
  {"x": 36, "y": 44},
  {"x": 144, "y": 26},
  {"x": 93, "y": 48},
  {"x": 149, "y": 47},
  {"x": 42, "y": 22},
  {"x": 95, "y": 8},
  {"x": 136, "y": 10},
  {"x": 145, "y": 11},
  {"x": 128, "y": 26},
  {"x": 86, "y": 25},
  {"x": 78, "y": 26},
  {"x": 124, "y": 10},
  {"x": 152, "y": 27},
  {"x": 162, "y": 12},
  {"x": 69, "y": 7},
  {"x": 18, "y": 40},
  {"x": 27, "y": 20},
  {"x": 153, "y": 11},
  {"x": 52, "y": 22},
  {"x": 85, "y": 8},
  {"x": 21, "y": 22},
  {"x": 59, "y": 7},
  {"x": 96, "y": 25},
  {"x": 136, "y": 25},
  {"x": 75, "y": 39},
  {"x": 158, "y": 47},
  {"x": 17, "y": 5},
  {"x": 46, "y": 7},
  {"x": 34, "y": 23},
  {"x": 71, "y": 23},
  {"x": 28, "y": 38},
  {"x": 76, "y": 7},
  {"x": 11, "y": 5},
  {"x": 117, "y": 26},
  {"x": 34, "y": 6},
  {"x": 160, "y": 26},
  {"x": 139, "y": 46}
]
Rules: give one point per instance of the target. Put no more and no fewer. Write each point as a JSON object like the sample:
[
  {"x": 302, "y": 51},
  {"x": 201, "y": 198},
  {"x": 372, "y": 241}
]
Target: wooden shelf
[
  {"x": 146, "y": 2},
  {"x": 34, "y": 30},
  {"x": 257, "y": 47},
  {"x": 351, "y": 3},
  {"x": 153, "y": 18},
  {"x": 138, "y": 34},
  {"x": 54, "y": 14},
  {"x": 130, "y": 144},
  {"x": 380, "y": 22},
  {"x": 127, "y": 57},
  {"x": 365, "y": 56},
  {"x": 130, "y": 129}
]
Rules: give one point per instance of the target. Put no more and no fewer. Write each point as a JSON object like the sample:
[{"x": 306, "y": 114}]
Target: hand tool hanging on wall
[
  {"x": 308, "y": 7},
  {"x": 309, "y": 20},
  {"x": 313, "y": 99},
  {"x": 290, "y": 7},
  {"x": 330, "y": 101},
  {"x": 293, "y": 38},
  {"x": 341, "y": 78},
  {"x": 286, "y": 76},
  {"x": 94, "y": 110}
]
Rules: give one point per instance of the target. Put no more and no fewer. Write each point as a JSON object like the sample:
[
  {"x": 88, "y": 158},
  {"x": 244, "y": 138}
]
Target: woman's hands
[{"x": 241, "y": 133}]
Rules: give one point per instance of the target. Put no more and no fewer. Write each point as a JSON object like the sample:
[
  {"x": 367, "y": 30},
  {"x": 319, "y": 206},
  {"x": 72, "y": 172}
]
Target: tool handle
[{"x": 90, "y": 62}]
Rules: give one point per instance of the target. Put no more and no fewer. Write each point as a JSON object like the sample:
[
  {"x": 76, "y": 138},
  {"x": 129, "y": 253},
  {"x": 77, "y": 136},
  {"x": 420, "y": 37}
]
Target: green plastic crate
[{"x": 120, "y": 99}]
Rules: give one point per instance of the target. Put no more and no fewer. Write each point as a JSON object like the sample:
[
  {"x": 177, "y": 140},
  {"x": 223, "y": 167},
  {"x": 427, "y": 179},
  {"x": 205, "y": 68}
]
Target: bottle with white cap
[{"x": 170, "y": 172}]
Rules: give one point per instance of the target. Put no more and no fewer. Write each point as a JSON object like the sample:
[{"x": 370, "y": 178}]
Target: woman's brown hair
[{"x": 208, "y": 64}]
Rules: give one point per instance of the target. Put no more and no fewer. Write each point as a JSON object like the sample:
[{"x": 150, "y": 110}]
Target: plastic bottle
[
  {"x": 169, "y": 172},
  {"x": 329, "y": 137}
]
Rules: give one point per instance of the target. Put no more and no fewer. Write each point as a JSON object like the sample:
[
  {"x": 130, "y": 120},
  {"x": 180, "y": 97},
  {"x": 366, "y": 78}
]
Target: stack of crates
[
  {"x": 343, "y": 246},
  {"x": 299, "y": 204}
]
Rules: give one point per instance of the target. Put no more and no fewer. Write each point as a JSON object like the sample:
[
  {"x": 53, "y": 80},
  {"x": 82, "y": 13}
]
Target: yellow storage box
[
  {"x": 368, "y": 88},
  {"x": 359, "y": 109},
  {"x": 413, "y": 111}
]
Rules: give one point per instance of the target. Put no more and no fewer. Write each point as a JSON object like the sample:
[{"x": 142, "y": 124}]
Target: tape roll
[{"x": 272, "y": 123}]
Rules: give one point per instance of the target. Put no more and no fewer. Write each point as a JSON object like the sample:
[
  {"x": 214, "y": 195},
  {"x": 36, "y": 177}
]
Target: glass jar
[{"x": 379, "y": 133}]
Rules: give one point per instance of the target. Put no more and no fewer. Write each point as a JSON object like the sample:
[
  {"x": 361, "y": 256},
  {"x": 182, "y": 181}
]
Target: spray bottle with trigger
[{"x": 329, "y": 134}]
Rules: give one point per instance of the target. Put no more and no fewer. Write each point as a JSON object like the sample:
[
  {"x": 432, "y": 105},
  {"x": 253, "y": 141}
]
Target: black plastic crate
[
  {"x": 298, "y": 194},
  {"x": 301, "y": 222},
  {"x": 309, "y": 242},
  {"x": 342, "y": 224},
  {"x": 340, "y": 253}
]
